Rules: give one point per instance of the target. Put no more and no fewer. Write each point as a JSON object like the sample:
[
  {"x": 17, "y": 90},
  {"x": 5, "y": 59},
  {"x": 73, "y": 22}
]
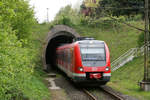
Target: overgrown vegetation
[
  {"x": 119, "y": 38},
  {"x": 96, "y": 8},
  {"x": 127, "y": 78},
  {"x": 21, "y": 37},
  {"x": 18, "y": 53}
]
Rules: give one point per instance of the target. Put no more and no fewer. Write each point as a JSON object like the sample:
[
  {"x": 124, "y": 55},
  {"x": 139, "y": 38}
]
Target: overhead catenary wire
[
  {"x": 140, "y": 29},
  {"x": 127, "y": 8},
  {"x": 127, "y": 24}
]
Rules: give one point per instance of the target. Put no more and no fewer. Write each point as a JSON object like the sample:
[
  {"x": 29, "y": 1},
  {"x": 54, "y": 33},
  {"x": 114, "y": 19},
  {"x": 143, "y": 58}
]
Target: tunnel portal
[{"x": 58, "y": 35}]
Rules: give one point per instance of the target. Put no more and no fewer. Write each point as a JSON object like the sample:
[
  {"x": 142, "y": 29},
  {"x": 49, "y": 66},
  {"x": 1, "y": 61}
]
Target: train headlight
[
  {"x": 81, "y": 69},
  {"x": 107, "y": 69},
  {"x": 91, "y": 42}
]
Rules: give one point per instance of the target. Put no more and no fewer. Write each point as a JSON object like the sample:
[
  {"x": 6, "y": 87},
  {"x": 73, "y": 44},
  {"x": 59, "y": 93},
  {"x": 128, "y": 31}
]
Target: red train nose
[{"x": 95, "y": 75}]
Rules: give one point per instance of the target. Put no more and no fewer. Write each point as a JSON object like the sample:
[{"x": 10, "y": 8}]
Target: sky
[{"x": 40, "y": 7}]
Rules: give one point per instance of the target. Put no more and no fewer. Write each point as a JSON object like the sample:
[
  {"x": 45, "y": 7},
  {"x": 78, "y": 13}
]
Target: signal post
[{"x": 145, "y": 84}]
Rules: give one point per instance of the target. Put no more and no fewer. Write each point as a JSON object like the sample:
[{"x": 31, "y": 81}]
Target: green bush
[
  {"x": 138, "y": 17},
  {"x": 18, "y": 57},
  {"x": 64, "y": 20},
  {"x": 141, "y": 39},
  {"x": 84, "y": 20},
  {"x": 15, "y": 66},
  {"x": 18, "y": 15},
  {"x": 16, "y": 70},
  {"x": 66, "y": 16},
  {"x": 103, "y": 22}
]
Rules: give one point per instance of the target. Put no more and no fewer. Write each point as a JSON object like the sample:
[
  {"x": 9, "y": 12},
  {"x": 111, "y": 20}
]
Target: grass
[
  {"x": 38, "y": 81},
  {"x": 127, "y": 77},
  {"x": 119, "y": 39},
  {"x": 36, "y": 90},
  {"x": 40, "y": 31}
]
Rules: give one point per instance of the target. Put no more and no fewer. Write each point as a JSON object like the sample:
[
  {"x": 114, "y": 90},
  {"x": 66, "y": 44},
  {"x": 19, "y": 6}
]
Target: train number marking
[{"x": 94, "y": 69}]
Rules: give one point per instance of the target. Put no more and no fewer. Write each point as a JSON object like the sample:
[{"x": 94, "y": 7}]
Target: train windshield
[
  {"x": 92, "y": 50},
  {"x": 93, "y": 56}
]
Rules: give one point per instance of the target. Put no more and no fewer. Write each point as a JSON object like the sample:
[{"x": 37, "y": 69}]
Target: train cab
[{"x": 88, "y": 61}]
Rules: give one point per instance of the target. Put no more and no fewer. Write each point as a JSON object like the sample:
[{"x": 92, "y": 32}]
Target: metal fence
[{"x": 126, "y": 57}]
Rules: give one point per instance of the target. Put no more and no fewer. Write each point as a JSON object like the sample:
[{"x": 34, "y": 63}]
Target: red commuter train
[{"x": 85, "y": 61}]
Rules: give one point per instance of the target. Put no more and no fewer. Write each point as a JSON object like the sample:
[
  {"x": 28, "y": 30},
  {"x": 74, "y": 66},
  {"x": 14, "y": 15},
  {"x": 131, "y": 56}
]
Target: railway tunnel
[{"x": 58, "y": 35}]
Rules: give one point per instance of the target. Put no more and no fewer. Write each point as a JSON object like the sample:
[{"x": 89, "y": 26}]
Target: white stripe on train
[{"x": 71, "y": 74}]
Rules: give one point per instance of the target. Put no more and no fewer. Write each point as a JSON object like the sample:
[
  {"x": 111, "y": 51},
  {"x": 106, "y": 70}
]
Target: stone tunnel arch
[{"x": 58, "y": 35}]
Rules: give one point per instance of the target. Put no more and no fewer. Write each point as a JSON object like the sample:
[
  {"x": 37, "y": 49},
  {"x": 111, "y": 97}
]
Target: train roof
[
  {"x": 86, "y": 40},
  {"x": 85, "y": 43},
  {"x": 90, "y": 41}
]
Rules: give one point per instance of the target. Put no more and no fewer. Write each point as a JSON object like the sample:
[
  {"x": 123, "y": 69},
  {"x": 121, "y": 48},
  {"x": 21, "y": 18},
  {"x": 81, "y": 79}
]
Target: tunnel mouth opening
[{"x": 53, "y": 43}]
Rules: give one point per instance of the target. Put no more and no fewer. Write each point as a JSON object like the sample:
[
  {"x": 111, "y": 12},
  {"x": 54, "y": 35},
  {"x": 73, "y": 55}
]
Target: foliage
[
  {"x": 18, "y": 15},
  {"x": 66, "y": 16},
  {"x": 128, "y": 84},
  {"x": 141, "y": 40},
  {"x": 103, "y": 22},
  {"x": 91, "y": 3},
  {"x": 119, "y": 38},
  {"x": 129, "y": 8},
  {"x": 135, "y": 6},
  {"x": 18, "y": 54},
  {"x": 70, "y": 17},
  {"x": 64, "y": 20},
  {"x": 16, "y": 69},
  {"x": 119, "y": 41}
]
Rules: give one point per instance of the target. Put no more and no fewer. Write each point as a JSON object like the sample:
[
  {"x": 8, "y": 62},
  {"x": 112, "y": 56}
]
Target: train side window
[
  {"x": 61, "y": 55},
  {"x": 69, "y": 56},
  {"x": 64, "y": 55}
]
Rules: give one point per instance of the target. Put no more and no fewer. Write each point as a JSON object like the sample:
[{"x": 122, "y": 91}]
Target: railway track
[
  {"x": 107, "y": 91},
  {"x": 113, "y": 94},
  {"x": 89, "y": 94}
]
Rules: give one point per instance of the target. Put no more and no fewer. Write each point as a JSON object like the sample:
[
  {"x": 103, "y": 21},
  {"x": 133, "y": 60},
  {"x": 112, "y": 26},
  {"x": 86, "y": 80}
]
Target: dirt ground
[
  {"x": 59, "y": 95},
  {"x": 61, "y": 88}
]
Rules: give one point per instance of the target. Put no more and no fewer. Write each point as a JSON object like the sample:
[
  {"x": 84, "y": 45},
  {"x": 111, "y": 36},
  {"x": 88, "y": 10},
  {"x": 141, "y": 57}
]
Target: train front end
[{"x": 92, "y": 62}]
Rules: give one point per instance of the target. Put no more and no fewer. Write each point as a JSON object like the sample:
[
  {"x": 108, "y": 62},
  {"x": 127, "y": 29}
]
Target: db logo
[{"x": 94, "y": 69}]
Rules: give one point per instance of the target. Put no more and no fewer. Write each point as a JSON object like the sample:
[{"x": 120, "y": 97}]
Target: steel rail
[
  {"x": 89, "y": 94},
  {"x": 118, "y": 97}
]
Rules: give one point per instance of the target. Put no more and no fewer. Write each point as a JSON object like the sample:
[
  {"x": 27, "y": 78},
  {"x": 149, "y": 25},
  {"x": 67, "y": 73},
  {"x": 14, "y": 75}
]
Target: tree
[
  {"x": 88, "y": 7},
  {"x": 18, "y": 15},
  {"x": 122, "y": 7}
]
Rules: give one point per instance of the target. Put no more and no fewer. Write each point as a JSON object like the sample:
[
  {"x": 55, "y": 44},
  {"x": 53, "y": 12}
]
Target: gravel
[
  {"x": 73, "y": 92},
  {"x": 76, "y": 93}
]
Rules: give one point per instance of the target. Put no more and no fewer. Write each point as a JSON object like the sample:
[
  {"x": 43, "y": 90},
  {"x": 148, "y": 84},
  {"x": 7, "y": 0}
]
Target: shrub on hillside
[
  {"x": 15, "y": 66},
  {"x": 17, "y": 56},
  {"x": 84, "y": 20},
  {"x": 141, "y": 39},
  {"x": 66, "y": 16},
  {"x": 103, "y": 22},
  {"x": 18, "y": 15},
  {"x": 64, "y": 20},
  {"x": 16, "y": 70}
]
